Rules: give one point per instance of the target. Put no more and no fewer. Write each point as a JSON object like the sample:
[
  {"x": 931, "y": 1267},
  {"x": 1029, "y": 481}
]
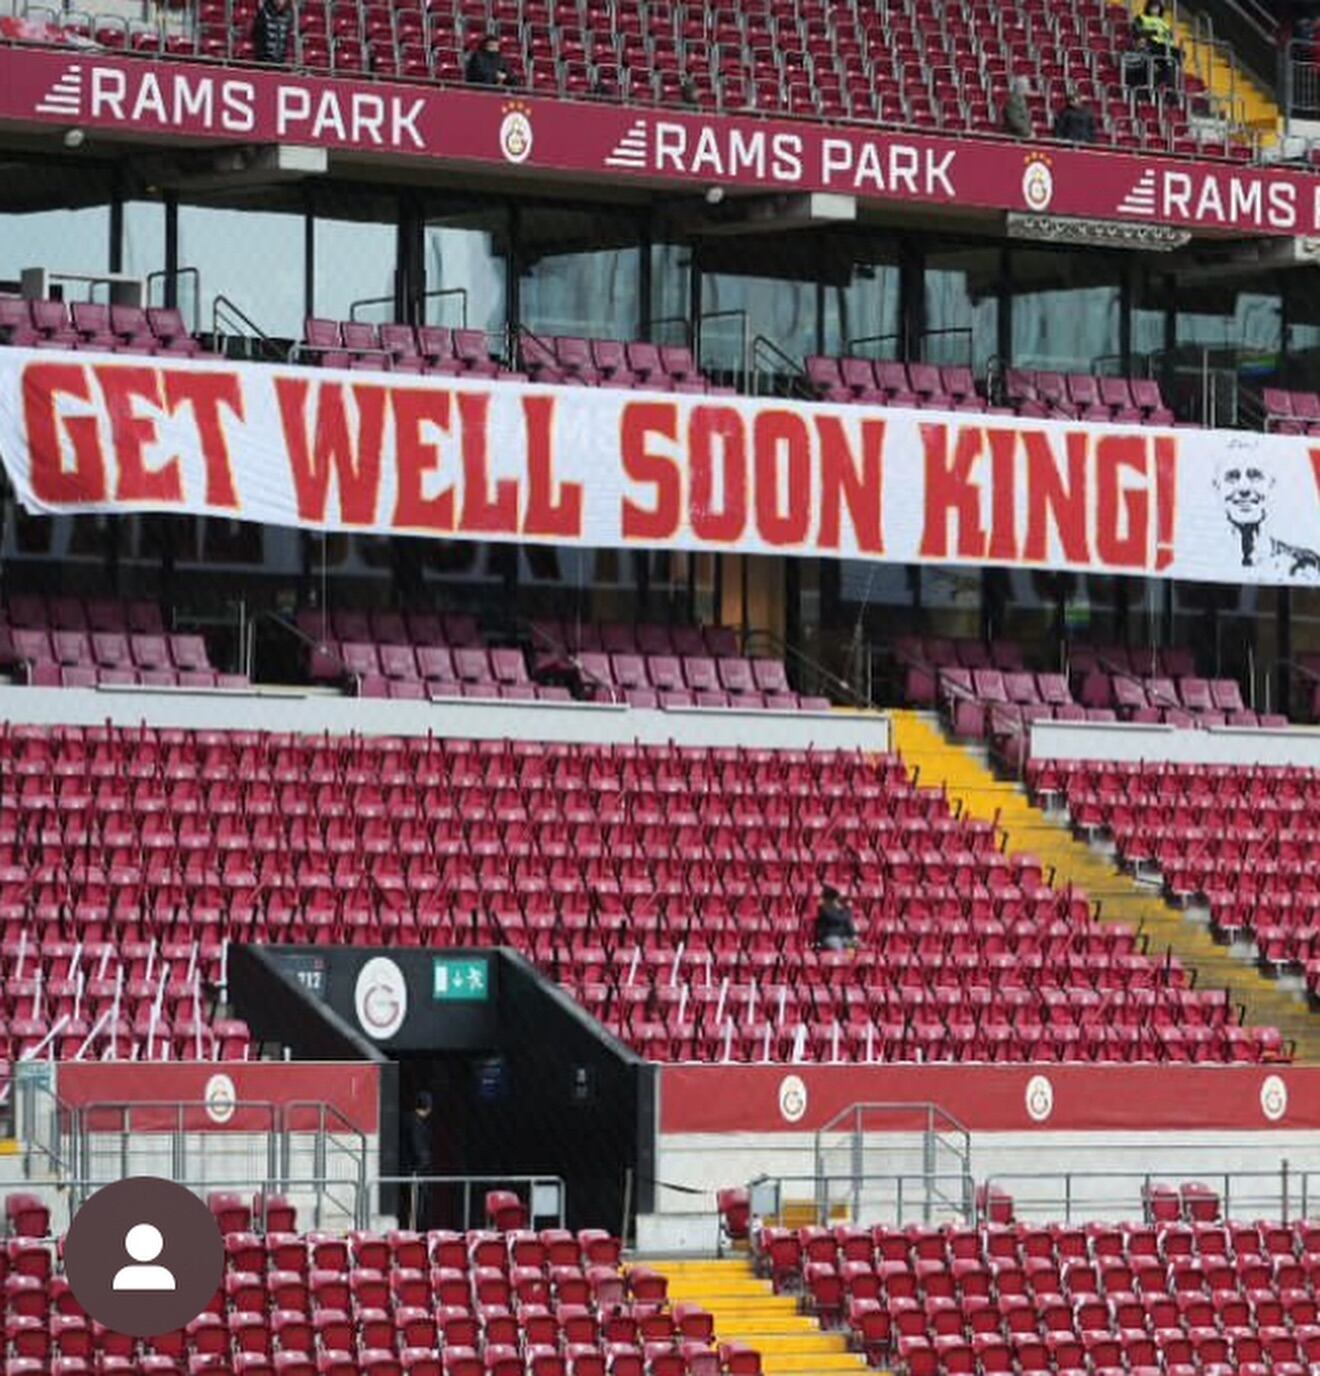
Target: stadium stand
[
  {"x": 1187, "y": 1293},
  {"x": 195, "y": 839},
  {"x": 52, "y": 324},
  {"x": 1238, "y": 840},
  {"x": 549, "y": 1303},
  {"x": 910, "y": 64},
  {"x": 1047, "y": 395},
  {"x": 66, "y": 642}
]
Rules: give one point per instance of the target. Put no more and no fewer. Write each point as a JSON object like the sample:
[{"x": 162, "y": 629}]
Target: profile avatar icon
[{"x": 144, "y": 1243}]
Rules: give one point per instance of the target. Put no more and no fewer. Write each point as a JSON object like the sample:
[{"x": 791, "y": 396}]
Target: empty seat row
[
  {"x": 358, "y": 344},
  {"x": 1081, "y": 396},
  {"x": 46, "y": 324},
  {"x": 576, "y": 361}
]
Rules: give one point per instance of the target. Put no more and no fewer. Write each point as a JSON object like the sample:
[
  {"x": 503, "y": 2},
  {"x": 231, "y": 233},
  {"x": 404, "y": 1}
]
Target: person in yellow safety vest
[{"x": 1154, "y": 35}]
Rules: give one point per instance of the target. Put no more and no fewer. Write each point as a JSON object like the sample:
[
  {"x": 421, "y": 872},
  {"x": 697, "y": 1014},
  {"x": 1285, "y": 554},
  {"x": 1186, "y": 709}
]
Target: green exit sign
[{"x": 461, "y": 980}]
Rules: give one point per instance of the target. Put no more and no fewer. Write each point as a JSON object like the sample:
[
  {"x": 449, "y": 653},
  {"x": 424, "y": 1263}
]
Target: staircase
[
  {"x": 1246, "y": 101},
  {"x": 746, "y": 1310},
  {"x": 970, "y": 783}
]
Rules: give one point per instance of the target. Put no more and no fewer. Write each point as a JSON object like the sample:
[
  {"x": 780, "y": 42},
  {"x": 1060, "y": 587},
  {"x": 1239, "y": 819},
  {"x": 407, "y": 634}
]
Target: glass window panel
[
  {"x": 591, "y": 294},
  {"x": 355, "y": 262},
  {"x": 735, "y": 310},
  {"x": 962, "y": 307},
  {"x": 1066, "y": 309},
  {"x": 252, "y": 257},
  {"x": 143, "y": 242},
  {"x": 466, "y": 271},
  {"x": 862, "y": 317},
  {"x": 68, "y": 240}
]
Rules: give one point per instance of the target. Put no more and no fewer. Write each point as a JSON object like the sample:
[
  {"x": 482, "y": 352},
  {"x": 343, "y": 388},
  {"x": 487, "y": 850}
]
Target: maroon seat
[
  {"x": 171, "y": 334},
  {"x": 150, "y": 652},
  {"x": 665, "y": 673},
  {"x": 16, "y": 322},
  {"x": 323, "y": 343},
  {"x": 770, "y": 675},
  {"x": 473, "y": 352},
  {"x": 700, "y": 675},
  {"x": 92, "y": 322},
  {"x": 574, "y": 355},
  {"x": 472, "y": 665},
  {"x": 736, "y": 675},
  {"x": 435, "y": 664}
]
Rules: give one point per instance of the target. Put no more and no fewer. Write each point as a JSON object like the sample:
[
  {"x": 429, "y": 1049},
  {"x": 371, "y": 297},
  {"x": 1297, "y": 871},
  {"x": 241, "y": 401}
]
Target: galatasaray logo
[
  {"x": 516, "y": 132},
  {"x": 1038, "y": 183}
]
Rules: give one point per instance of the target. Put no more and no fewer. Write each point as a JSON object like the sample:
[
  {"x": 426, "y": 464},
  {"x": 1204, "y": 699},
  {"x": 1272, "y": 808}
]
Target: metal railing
[
  {"x": 225, "y": 315},
  {"x": 782, "y": 374},
  {"x": 865, "y": 1200},
  {"x": 943, "y": 1142},
  {"x": 1089, "y": 1195},
  {"x": 471, "y": 1190},
  {"x": 851, "y": 345},
  {"x": 809, "y": 676},
  {"x": 958, "y": 332},
  {"x": 178, "y": 275},
  {"x": 1301, "y": 78},
  {"x": 460, "y": 294},
  {"x": 179, "y": 1141},
  {"x": 668, "y": 322}
]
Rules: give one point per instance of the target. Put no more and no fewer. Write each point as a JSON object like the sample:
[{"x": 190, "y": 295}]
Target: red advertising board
[
  {"x": 606, "y": 142},
  {"x": 222, "y": 1096},
  {"x": 994, "y": 1098}
]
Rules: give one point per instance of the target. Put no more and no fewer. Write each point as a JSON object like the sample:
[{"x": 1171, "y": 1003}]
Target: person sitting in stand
[
  {"x": 835, "y": 929},
  {"x": 487, "y": 66},
  {"x": 1075, "y": 123}
]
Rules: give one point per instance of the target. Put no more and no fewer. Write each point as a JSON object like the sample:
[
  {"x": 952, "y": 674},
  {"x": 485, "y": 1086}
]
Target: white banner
[{"x": 390, "y": 453}]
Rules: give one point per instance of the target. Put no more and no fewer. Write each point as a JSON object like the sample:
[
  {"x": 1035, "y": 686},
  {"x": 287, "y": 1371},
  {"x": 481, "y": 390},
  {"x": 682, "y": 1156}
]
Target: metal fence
[
  {"x": 336, "y": 1203},
  {"x": 869, "y": 1199},
  {"x": 1089, "y": 1195}
]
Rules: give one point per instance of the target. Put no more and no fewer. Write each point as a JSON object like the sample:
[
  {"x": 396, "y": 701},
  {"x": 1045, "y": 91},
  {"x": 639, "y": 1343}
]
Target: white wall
[
  {"x": 588, "y": 723},
  {"x": 1066, "y": 740},
  {"x": 710, "y": 1162}
]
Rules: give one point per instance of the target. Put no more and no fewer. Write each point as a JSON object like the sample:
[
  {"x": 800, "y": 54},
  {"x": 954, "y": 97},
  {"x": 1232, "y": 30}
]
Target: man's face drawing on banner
[{"x": 1245, "y": 487}]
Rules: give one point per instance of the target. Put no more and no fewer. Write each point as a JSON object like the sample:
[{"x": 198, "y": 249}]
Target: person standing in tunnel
[{"x": 419, "y": 1162}]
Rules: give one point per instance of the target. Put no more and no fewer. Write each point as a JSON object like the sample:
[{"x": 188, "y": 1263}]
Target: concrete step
[
  {"x": 824, "y": 1361},
  {"x": 780, "y": 1345}
]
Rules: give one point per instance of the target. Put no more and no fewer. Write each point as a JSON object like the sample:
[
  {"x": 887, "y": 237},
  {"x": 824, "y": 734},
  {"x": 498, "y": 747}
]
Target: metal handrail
[
  {"x": 963, "y": 330},
  {"x": 855, "y": 696},
  {"x": 467, "y": 1182},
  {"x": 1074, "y": 1203},
  {"x": 76, "y": 1191},
  {"x": 851, "y": 344},
  {"x": 222, "y": 303},
  {"x": 674, "y": 320},
  {"x": 915, "y": 1195},
  {"x": 438, "y": 294},
  {"x": 797, "y": 374},
  {"x": 164, "y": 276}
]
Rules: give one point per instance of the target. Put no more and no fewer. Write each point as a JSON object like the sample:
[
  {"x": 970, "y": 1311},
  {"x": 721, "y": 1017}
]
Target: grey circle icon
[{"x": 144, "y": 1256}]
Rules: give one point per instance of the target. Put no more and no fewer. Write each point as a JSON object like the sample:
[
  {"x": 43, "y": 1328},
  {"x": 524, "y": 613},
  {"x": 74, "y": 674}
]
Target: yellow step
[
  {"x": 801, "y": 1344},
  {"x": 825, "y": 1361},
  {"x": 683, "y": 1288},
  {"x": 767, "y": 1323}
]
